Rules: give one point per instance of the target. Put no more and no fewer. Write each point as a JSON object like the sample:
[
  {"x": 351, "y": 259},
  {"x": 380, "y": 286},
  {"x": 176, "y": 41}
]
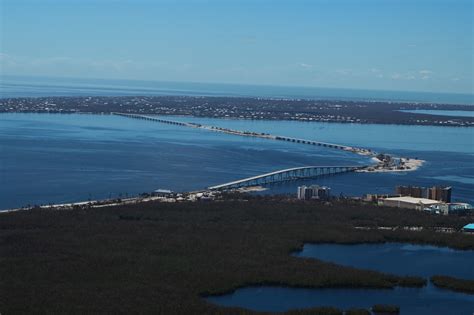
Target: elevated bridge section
[
  {"x": 163, "y": 121},
  {"x": 287, "y": 175},
  {"x": 356, "y": 150}
]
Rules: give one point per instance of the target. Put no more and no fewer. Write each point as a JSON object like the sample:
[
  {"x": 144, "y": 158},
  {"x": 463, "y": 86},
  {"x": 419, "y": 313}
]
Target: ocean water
[
  {"x": 448, "y": 152},
  {"x": 20, "y": 86},
  {"x": 47, "y": 158},
  {"x": 56, "y": 158}
]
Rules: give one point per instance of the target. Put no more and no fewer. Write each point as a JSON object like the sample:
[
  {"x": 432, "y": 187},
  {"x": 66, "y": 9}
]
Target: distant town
[
  {"x": 435, "y": 200},
  {"x": 362, "y": 112}
]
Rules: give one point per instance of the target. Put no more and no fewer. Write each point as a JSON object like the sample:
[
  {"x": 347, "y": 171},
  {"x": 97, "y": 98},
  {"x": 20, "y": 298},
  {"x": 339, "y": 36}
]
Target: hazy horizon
[
  {"x": 8, "y": 76},
  {"x": 422, "y": 46},
  {"x": 36, "y": 86}
]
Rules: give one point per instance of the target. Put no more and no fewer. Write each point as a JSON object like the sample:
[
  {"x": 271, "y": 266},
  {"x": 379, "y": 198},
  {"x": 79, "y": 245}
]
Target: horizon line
[{"x": 237, "y": 84}]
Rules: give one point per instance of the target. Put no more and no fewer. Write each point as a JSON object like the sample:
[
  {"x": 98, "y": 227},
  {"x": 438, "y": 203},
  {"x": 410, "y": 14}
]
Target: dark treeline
[
  {"x": 245, "y": 108},
  {"x": 385, "y": 309},
  {"x": 163, "y": 258},
  {"x": 455, "y": 284}
]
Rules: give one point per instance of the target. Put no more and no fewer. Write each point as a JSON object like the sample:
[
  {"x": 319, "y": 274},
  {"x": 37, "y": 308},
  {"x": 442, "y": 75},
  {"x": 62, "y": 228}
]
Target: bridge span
[
  {"x": 356, "y": 150},
  {"x": 276, "y": 176},
  {"x": 286, "y": 175}
]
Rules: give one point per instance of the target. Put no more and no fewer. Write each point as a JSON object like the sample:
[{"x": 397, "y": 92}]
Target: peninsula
[{"x": 331, "y": 111}]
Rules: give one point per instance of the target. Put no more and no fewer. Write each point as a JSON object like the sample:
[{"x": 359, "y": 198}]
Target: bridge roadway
[
  {"x": 356, "y": 150},
  {"x": 277, "y": 176},
  {"x": 286, "y": 175}
]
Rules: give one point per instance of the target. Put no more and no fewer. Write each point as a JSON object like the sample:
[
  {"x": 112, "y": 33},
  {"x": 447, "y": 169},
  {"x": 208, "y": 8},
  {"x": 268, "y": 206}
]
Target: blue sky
[{"x": 417, "y": 45}]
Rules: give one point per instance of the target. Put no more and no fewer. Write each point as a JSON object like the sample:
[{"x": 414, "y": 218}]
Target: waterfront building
[
  {"x": 408, "y": 202},
  {"x": 459, "y": 206},
  {"x": 162, "y": 192},
  {"x": 430, "y": 205},
  {"x": 323, "y": 193},
  {"x": 375, "y": 197},
  {"x": 434, "y": 193},
  {"x": 411, "y": 191},
  {"x": 440, "y": 193},
  {"x": 301, "y": 192},
  {"x": 454, "y": 208},
  {"x": 313, "y": 192}
]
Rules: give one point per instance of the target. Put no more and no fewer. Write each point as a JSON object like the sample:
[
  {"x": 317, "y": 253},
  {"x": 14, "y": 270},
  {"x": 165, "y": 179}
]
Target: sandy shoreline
[
  {"x": 405, "y": 165},
  {"x": 91, "y": 204}
]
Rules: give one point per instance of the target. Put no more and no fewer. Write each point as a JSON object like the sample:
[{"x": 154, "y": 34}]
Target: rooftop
[
  {"x": 163, "y": 191},
  {"x": 469, "y": 226},
  {"x": 408, "y": 199}
]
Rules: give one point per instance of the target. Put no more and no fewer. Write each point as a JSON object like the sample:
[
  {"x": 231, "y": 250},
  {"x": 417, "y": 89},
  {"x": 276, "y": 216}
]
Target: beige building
[{"x": 408, "y": 202}]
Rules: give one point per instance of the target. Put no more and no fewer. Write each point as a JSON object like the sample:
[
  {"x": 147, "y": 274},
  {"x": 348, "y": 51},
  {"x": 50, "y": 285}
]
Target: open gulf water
[{"x": 56, "y": 158}]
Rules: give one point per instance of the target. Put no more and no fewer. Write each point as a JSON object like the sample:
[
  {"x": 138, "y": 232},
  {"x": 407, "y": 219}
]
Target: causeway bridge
[
  {"x": 163, "y": 121},
  {"x": 287, "y": 175},
  {"x": 276, "y": 176},
  {"x": 361, "y": 151}
]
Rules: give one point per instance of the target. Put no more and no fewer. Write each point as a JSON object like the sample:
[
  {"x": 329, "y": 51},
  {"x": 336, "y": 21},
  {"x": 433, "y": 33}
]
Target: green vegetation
[
  {"x": 385, "y": 309},
  {"x": 162, "y": 258},
  {"x": 455, "y": 284}
]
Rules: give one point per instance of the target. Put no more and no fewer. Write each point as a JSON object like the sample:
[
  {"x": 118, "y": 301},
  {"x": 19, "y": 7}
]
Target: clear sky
[{"x": 419, "y": 45}]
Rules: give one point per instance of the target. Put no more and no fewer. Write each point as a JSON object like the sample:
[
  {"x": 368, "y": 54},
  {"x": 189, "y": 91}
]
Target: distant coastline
[
  {"x": 250, "y": 108},
  {"x": 22, "y": 86}
]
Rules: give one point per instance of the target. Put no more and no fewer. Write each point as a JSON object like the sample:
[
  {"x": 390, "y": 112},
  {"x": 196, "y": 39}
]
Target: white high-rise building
[{"x": 313, "y": 192}]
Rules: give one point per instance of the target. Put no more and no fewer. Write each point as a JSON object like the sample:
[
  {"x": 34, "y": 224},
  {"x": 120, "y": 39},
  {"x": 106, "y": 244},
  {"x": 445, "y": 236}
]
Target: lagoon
[
  {"x": 396, "y": 258},
  {"x": 428, "y": 300}
]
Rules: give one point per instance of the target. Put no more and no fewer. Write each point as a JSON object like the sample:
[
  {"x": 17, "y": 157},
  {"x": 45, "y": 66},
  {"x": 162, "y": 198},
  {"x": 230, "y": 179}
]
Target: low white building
[
  {"x": 408, "y": 202},
  {"x": 451, "y": 208}
]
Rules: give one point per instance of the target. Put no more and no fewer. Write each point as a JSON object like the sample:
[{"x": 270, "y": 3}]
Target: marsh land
[{"x": 164, "y": 258}]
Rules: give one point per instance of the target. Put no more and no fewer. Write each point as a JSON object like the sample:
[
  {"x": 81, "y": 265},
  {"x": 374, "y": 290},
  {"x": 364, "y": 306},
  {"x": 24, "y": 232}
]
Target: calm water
[
  {"x": 19, "y": 86},
  {"x": 396, "y": 258},
  {"x": 412, "y": 301},
  {"x": 449, "y": 152},
  {"x": 388, "y": 138},
  {"x": 457, "y": 113},
  {"x": 53, "y": 158}
]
